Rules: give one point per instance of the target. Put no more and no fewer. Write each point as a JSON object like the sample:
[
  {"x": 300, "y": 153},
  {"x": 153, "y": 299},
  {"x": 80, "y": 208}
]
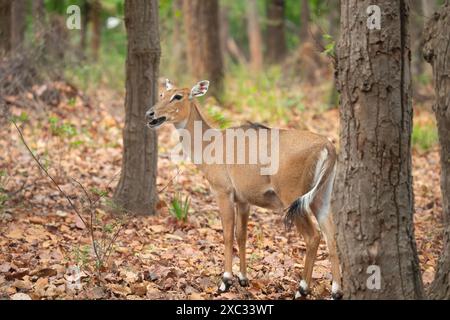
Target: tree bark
[
  {"x": 19, "y": 12},
  {"x": 373, "y": 198},
  {"x": 96, "y": 28},
  {"x": 178, "y": 38},
  {"x": 417, "y": 40},
  {"x": 254, "y": 36},
  {"x": 201, "y": 20},
  {"x": 428, "y": 7},
  {"x": 437, "y": 53},
  {"x": 5, "y": 25},
  {"x": 86, "y": 14},
  {"x": 275, "y": 37},
  {"x": 38, "y": 10},
  {"x": 136, "y": 191},
  {"x": 304, "y": 21}
]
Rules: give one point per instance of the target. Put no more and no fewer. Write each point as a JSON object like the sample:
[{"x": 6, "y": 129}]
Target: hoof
[
  {"x": 243, "y": 282},
  {"x": 225, "y": 285},
  {"x": 337, "y": 295},
  {"x": 302, "y": 291}
]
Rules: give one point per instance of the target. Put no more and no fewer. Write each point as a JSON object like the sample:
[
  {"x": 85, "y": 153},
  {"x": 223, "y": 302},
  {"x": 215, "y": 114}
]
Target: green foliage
[
  {"x": 424, "y": 137},
  {"x": 218, "y": 117},
  {"x": 263, "y": 97},
  {"x": 61, "y": 129},
  {"x": 330, "y": 45},
  {"x": 99, "y": 193},
  {"x": 4, "y": 197},
  {"x": 23, "y": 117},
  {"x": 179, "y": 207}
]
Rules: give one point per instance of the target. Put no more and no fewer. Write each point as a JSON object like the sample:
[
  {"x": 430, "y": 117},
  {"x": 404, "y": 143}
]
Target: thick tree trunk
[
  {"x": 304, "y": 21},
  {"x": 275, "y": 37},
  {"x": 437, "y": 53},
  {"x": 254, "y": 36},
  {"x": 428, "y": 7},
  {"x": 19, "y": 12},
  {"x": 96, "y": 28},
  {"x": 136, "y": 190},
  {"x": 201, "y": 20},
  {"x": 373, "y": 205},
  {"x": 5, "y": 25}
]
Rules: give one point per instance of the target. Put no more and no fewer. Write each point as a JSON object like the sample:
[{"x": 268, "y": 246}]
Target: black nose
[{"x": 150, "y": 114}]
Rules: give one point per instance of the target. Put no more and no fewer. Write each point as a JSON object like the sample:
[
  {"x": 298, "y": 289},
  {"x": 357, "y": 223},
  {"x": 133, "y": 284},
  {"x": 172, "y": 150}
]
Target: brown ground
[{"x": 155, "y": 257}]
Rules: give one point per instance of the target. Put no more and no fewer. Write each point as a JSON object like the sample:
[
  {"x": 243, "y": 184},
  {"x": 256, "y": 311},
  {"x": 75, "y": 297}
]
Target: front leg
[
  {"x": 226, "y": 211},
  {"x": 242, "y": 212}
]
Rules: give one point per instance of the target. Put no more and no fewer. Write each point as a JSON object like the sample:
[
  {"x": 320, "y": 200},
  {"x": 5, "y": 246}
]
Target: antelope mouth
[{"x": 156, "y": 122}]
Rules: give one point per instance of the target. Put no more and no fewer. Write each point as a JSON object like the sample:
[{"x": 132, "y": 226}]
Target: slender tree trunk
[
  {"x": 85, "y": 17},
  {"x": 136, "y": 190},
  {"x": 227, "y": 42},
  {"x": 304, "y": 21},
  {"x": 38, "y": 10},
  {"x": 373, "y": 205},
  {"x": 96, "y": 28},
  {"x": 178, "y": 38},
  {"x": 5, "y": 25},
  {"x": 224, "y": 31},
  {"x": 254, "y": 36},
  {"x": 437, "y": 53},
  {"x": 275, "y": 37},
  {"x": 201, "y": 20},
  {"x": 417, "y": 39},
  {"x": 19, "y": 12}
]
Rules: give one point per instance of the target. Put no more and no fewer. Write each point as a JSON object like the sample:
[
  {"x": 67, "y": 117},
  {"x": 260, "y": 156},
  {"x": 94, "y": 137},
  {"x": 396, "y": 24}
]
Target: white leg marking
[
  {"x": 304, "y": 285},
  {"x": 335, "y": 287},
  {"x": 241, "y": 276},
  {"x": 227, "y": 275},
  {"x": 222, "y": 287}
]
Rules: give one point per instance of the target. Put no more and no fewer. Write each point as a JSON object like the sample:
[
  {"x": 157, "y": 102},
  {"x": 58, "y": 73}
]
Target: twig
[
  {"x": 48, "y": 175},
  {"x": 170, "y": 181}
]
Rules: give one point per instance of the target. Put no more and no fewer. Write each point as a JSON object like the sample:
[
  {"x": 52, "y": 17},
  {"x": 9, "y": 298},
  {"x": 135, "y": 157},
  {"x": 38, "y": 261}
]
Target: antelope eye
[{"x": 176, "y": 97}]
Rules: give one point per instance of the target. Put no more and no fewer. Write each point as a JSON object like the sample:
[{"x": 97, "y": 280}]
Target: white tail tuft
[{"x": 303, "y": 204}]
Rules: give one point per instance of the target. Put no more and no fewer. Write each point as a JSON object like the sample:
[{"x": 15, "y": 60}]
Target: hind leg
[
  {"x": 312, "y": 238},
  {"x": 327, "y": 226}
]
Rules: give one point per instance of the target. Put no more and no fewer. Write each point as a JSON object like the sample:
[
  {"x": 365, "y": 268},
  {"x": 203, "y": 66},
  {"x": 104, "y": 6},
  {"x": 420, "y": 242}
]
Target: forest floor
[{"x": 155, "y": 257}]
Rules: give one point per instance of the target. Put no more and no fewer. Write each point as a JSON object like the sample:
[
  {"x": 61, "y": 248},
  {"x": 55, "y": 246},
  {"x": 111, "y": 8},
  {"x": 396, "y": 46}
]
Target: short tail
[{"x": 324, "y": 168}]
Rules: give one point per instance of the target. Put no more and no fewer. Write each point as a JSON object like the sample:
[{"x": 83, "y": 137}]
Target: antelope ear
[
  {"x": 169, "y": 85},
  {"x": 199, "y": 89}
]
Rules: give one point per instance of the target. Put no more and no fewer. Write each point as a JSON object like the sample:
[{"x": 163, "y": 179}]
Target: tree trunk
[
  {"x": 275, "y": 37},
  {"x": 86, "y": 14},
  {"x": 96, "y": 28},
  {"x": 136, "y": 190},
  {"x": 19, "y": 13},
  {"x": 304, "y": 21},
  {"x": 178, "y": 38},
  {"x": 437, "y": 53},
  {"x": 38, "y": 10},
  {"x": 201, "y": 19},
  {"x": 373, "y": 205},
  {"x": 428, "y": 7},
  {"x": 254, "y": 36},
  {"x": 417, "y": 40},
  {"x": 5, "y": 25}
]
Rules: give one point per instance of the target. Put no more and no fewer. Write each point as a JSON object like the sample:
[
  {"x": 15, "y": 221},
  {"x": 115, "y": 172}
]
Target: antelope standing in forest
[{"x": 301, "y": 185}]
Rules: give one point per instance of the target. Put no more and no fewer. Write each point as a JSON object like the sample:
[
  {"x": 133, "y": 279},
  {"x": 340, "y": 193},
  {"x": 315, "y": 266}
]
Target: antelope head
[{"x": 174, "y": 104}]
